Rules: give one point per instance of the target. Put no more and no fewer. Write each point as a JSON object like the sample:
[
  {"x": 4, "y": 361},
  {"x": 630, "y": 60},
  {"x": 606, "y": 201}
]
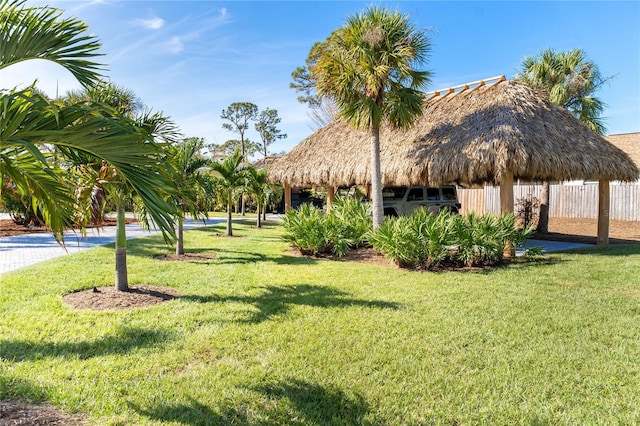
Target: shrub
[
  {"x": 418, "y": 240},
  {"x": 306, "y": 229},
  {"x": 427, "y": 241},
  {"x": 314, "y": 232}
]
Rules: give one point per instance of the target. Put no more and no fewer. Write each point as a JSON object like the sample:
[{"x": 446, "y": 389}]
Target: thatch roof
[
  {"x": 469, "y": 135},
  {"x": 629, "y": 143},
  {"x": 266, "y": 162}
]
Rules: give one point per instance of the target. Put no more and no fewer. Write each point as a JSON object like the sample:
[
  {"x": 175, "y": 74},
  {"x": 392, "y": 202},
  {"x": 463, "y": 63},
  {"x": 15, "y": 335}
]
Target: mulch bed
[
  {"x": 108, "y": 298},
  {"x": 19, "y": 413}
]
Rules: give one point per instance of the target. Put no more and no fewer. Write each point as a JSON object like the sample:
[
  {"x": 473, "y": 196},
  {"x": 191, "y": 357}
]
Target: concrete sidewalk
[{"x": 24, "y": 250}]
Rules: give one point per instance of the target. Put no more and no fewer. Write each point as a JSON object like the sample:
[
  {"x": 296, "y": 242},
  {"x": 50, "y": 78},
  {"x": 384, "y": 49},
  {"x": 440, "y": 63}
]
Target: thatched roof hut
[{"x": 471, "y": 134}]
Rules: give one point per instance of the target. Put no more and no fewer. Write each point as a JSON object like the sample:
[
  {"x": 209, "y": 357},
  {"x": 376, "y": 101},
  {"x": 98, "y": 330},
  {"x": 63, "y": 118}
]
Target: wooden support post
[
  {"x": 604, "y": 197},
  {"x": 331, "y": 197},
  {"x": 506, "y": 206},
  {"x": 287, "y": 197}
]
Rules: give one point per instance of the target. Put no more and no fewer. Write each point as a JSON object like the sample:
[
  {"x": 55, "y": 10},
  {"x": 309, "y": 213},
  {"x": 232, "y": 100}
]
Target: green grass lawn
[{"x": 261, "y": 337}]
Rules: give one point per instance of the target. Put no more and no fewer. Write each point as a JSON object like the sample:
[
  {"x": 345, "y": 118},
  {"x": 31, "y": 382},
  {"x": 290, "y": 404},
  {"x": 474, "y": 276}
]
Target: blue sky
[{"x": 192, "y": 59}]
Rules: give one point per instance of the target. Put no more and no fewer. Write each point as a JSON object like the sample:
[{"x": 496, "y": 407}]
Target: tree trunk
[
  {"x": 604, "y": 203},
  {"x": 543, "y": 216},
  {"x": 376, "y": 178},
  {"x": 506, "y": 206},
  {"x": 243, "y": 202},
  {"x": 180, "y": 235},
  {"x": 122, "y": 281},
  {"x": 229, "y": 204},
  {"x": 259, "y": 217}
]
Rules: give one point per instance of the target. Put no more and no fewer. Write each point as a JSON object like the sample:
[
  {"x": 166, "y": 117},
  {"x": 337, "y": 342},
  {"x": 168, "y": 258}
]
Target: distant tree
[
  {"x": 367, "y": 69},
  {"x": 231, "y": 179},
  {"x": 266, "y": 127},
  {"x": 323, "y": 110},
  {"x": 570, "y": 79},
  {"x": 239, "y": 115},
  {"x": 229, "y": 147}
]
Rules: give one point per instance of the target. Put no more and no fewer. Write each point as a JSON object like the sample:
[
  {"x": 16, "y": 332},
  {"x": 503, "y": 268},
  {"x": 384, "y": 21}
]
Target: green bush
[
  {"x": 428, "y": 241},
  {"x": 314, "y": 232},
  {"x": 419, "y": 240},
  {"x": 306, "y": 229}
]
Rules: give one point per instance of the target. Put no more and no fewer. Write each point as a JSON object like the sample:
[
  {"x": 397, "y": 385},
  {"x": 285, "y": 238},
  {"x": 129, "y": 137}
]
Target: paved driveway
[{"x": 24, "y": 250}]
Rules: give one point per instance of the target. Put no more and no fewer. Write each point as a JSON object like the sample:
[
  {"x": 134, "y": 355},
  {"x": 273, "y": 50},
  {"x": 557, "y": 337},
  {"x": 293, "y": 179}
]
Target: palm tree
[
  {"x": 231, "y": 178},
  {"x": 262, "y": 190},
  {"x": 367, "y": 69},
  {"x": 159, "y": 131},
  {"x": 570, "y": 79},
  {"x": 30, "y": 124},
  {"x": 191, "y": 168}
]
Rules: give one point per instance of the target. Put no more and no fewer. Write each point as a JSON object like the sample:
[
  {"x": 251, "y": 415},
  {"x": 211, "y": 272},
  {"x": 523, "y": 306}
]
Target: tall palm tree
[
  {"x": 30, "y": 123},
  {"x": 570, "y": 79},
  {"x": 231, "y": 178},
  {"x": 160, "y": 130},
  {"x": 191, "y": 168},
  {"x": 367, "y": 69}
]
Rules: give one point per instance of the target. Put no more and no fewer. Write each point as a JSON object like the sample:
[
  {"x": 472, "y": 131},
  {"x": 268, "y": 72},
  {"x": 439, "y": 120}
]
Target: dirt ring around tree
[{"x": 108, "y": 298}]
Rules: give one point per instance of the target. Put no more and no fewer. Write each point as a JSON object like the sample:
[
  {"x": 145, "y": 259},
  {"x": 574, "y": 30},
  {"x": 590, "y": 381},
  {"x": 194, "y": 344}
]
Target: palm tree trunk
[
  {"x": 122, "y": 281},
  {"x": 543, "y": 217},
  {"x": 259, "y": 216},
  {"x": 229, "y": 205},
  {"x": 376, "y": 179},
  {"x": 180, "y": 235}
]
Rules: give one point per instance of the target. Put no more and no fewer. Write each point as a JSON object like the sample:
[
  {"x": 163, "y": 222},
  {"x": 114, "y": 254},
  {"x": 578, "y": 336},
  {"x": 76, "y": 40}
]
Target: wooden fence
[{"x": 571, "y": 201}]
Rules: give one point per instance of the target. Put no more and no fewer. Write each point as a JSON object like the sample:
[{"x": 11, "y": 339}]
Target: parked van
[{"x": 402, "y": 200}]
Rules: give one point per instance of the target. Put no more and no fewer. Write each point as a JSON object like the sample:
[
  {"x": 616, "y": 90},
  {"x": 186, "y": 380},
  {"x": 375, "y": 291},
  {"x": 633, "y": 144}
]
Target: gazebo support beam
[
  {"x": 331, "y": 197},
  {"x": 604, "y": 198},
  {"x": 287, "y": 197},
  {"x": 506, "y": 206}
]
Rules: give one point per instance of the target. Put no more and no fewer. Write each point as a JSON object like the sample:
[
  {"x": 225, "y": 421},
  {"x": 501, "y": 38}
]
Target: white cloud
[
  {"x": 153, "y": 23},
  {"x": 51, "y": 78},
  {"x": 175, "y": 45}
]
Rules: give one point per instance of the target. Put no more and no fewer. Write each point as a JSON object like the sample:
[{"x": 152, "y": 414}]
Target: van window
[
  {"x": 415, "y": 194},
  {"x": 433, "y": 194},
  {"x": 448, "y": 193},
  {"x": 394, "y": 192}
]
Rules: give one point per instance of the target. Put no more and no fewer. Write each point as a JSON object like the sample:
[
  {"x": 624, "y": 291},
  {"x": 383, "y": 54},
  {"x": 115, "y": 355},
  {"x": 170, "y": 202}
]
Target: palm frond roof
[{"x": 471, "y": 134}]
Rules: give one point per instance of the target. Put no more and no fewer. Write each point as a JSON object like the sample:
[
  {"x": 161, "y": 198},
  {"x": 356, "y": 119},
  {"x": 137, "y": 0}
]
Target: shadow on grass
[
  {"x": 610, "y": 250},
  {"x": 315, "y": 404},
  {"x": 194, "y": 413},
  {"x": 120, "y": 343},
  {"x": 278, "y": 300},
  {"x": 293, "y": 402},
  {"x": 226, "y": 256}
]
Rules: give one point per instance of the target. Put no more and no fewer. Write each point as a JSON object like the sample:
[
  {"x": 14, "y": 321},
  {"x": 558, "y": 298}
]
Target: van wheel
[{"x": 390, "y": 212}]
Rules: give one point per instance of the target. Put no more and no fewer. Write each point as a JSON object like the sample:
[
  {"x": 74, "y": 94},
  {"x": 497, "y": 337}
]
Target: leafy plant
[
  {"x": 314, "y": 232},
  {"x": 428, "y": 241},
  {"x": 305, "y": 228}
]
